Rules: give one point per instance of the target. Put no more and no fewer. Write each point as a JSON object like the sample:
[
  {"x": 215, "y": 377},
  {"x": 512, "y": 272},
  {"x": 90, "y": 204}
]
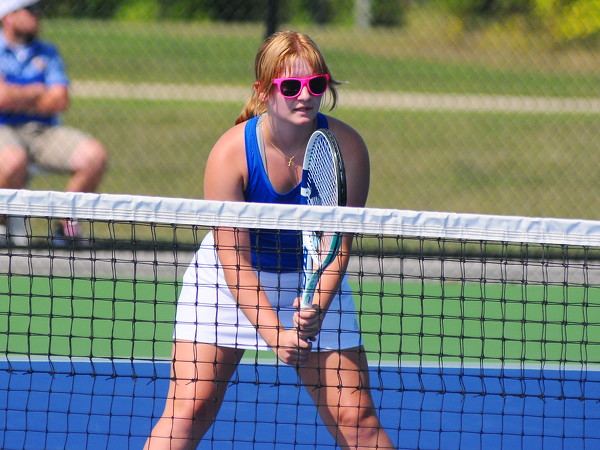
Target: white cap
[{"x": 8, "y": 6}]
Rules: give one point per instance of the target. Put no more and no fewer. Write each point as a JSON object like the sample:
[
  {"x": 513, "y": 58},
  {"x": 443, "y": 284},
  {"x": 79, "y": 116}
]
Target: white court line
[{"x": 567, "y": 367}]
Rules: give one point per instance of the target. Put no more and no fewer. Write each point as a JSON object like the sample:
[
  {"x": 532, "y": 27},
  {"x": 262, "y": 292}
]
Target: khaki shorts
[{"x": 50, "y": 147}]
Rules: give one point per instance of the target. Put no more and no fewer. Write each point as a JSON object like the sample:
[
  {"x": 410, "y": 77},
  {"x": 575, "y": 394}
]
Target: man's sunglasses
[{"x": 291, "y": 87}]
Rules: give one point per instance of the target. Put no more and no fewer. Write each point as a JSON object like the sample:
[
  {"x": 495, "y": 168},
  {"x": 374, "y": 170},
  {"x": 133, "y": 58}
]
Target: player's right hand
[{"x": 291, "y": 349}]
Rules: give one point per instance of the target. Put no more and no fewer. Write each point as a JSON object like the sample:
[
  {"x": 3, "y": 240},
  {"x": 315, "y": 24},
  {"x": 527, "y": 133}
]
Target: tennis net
[{"x": 480, "y": 331}]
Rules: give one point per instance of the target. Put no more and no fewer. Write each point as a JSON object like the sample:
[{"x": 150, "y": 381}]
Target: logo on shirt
[{"x": 39, "y": 63}]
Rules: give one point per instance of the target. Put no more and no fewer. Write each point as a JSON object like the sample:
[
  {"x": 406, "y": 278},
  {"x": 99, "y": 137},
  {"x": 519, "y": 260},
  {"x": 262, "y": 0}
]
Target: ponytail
[{"x": 254, "y": 107}]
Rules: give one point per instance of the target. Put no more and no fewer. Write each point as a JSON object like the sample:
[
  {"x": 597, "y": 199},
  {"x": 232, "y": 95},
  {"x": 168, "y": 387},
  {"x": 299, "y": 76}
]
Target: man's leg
[
  {"x": 88, "y": 165},
  {"x": 70, "y": 150},
  {"x": 13, "y": 175}
]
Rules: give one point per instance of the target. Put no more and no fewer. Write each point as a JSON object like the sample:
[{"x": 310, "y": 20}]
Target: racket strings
[{"x": 322, "y": 176}]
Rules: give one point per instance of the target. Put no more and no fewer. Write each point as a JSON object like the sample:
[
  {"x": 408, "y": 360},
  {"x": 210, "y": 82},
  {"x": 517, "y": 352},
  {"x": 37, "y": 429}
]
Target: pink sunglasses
[{"x": 291, "y": 87}]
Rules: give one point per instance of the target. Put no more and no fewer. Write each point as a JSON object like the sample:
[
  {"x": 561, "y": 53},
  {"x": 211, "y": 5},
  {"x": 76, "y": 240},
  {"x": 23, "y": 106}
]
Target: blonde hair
[{"x": 278, "y": 52}]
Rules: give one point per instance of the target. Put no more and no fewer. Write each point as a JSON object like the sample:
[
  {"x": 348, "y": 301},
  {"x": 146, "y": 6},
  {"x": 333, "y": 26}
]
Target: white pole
[{"x": 362, "y": 13}]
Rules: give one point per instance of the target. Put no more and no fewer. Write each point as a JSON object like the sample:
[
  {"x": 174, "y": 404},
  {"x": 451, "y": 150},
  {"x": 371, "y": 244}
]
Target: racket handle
[{"x": 306, "y": 299}]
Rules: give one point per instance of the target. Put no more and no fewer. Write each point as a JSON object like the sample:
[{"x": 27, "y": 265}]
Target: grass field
[
  {"x": 459, "y": 323},
  {"x": 380, "y": 59},
  {"x": 534, "y": 165},
  {"x": 501, "y": 163}
]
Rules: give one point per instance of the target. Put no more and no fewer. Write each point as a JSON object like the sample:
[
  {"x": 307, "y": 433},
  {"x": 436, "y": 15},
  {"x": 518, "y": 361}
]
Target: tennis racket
[{"x": 323, "y": 183}]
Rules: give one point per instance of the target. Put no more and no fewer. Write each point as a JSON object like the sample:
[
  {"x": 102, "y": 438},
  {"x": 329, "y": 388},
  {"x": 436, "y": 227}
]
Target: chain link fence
[{"x": 493, "y": 112}]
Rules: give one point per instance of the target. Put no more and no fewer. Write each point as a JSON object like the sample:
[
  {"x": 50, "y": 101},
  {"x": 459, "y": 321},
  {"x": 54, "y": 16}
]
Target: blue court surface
[{"x": 112, "y": 405}]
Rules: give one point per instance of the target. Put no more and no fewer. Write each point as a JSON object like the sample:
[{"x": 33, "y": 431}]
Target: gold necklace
[{"x": 290, "y": 160}]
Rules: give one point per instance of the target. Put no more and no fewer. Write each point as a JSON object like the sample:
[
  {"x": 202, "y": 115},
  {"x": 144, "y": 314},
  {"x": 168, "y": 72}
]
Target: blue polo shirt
[{"x": 38, "y": 62}]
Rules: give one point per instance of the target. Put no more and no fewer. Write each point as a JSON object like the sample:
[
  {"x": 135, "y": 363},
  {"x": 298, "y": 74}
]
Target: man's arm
[
  {"x": 33, "y": 98},
  {"x": 54, "y": 100}
]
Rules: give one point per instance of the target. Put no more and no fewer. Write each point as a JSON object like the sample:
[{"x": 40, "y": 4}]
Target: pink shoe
[{"x": 70, "y": 234}]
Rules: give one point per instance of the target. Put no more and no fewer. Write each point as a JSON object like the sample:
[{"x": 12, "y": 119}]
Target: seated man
[{"x": 33, "y": 93}]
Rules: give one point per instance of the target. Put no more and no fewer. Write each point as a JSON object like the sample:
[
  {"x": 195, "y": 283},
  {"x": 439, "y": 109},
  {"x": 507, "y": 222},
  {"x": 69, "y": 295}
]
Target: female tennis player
[{"x": 241, "y": 290}]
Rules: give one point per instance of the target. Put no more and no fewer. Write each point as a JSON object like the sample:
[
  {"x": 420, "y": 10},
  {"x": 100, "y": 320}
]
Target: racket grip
[
  {"x": 306, "y": 299},
  {"x": 310, "y": 286}
]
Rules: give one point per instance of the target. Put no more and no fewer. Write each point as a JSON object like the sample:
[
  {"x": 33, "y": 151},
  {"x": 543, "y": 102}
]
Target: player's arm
[
  {"x": 356, "y": 162},
  {"x": 225, "y": 179}
]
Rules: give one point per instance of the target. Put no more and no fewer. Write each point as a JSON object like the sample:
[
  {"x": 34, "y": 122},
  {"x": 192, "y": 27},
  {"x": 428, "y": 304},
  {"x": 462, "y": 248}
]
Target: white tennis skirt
[{"x": 207, "y": 312}]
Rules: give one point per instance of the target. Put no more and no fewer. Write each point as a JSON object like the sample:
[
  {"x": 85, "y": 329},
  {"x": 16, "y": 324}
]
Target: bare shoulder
[
  {"x": 346, "y": 135},
  {"x": 226, "y": 169},
  {"x": 230, "y": 143}
]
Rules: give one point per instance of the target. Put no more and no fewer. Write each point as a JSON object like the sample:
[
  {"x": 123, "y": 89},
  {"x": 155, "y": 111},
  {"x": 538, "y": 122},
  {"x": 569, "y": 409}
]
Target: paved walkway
[{"x": 349, "y": 99}]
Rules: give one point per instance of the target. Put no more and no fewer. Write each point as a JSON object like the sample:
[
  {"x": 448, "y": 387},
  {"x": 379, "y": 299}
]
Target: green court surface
[{"x": 401, "y": 321}]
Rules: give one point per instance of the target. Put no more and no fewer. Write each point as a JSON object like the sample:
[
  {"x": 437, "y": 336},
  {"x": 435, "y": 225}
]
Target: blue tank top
[{"x": 272, "y": 250}]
